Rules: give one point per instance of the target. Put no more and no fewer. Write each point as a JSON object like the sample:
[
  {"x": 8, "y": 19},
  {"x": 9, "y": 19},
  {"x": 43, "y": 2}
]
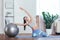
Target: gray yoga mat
[{"x": 18, "y": 36}]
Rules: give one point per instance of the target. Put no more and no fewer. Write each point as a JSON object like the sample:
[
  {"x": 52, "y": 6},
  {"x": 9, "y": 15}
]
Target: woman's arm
[
  {"x": 21, "y": 24},
  {"x": 31, "y": 18}
]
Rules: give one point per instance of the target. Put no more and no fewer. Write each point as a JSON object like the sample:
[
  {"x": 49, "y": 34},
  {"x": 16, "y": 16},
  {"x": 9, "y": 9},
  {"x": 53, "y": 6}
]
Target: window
[{"x": 51, "y": 6}]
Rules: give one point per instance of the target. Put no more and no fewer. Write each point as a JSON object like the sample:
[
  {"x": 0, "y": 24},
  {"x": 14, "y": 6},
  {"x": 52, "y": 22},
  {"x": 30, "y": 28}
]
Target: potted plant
[{"x": 49, "y": 19}]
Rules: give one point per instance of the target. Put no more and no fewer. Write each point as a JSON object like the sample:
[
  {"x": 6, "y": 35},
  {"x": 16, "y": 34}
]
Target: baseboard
[{"x": 2, "y": 33}]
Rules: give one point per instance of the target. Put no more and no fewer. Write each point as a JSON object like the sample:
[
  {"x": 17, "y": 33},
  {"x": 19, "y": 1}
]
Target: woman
[{"x": 29, "y": 21}]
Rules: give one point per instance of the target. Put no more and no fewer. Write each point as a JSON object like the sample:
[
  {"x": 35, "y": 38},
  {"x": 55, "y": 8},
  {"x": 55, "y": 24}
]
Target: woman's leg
[
  {"x": 43, "y": 34},
  {"x": 34, "y": 34},
  {"x": 39, "y": 33}
]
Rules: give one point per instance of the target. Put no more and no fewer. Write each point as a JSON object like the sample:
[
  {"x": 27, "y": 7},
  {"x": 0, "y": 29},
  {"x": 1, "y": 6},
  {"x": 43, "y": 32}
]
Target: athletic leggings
[{"x": 38, "y": 33}]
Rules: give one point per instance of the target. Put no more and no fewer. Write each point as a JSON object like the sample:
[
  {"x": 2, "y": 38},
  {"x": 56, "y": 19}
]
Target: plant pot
[{"x": 49, "y": 31}]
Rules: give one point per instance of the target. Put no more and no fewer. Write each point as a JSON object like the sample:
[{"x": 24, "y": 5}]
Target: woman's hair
[{"x": 24, "y": 23}]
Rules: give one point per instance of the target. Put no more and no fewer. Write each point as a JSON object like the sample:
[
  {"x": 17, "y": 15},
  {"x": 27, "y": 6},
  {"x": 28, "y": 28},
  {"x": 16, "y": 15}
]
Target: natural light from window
[{"x": 51, "y": 6}]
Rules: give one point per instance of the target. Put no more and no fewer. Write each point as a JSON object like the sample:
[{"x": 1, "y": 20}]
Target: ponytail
[{"x": 25, "y": 25}]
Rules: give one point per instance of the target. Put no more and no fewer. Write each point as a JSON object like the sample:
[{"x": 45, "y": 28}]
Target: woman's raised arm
[
  {"x": 31, "y": 18},
  {"x": 21, "y": 24}
]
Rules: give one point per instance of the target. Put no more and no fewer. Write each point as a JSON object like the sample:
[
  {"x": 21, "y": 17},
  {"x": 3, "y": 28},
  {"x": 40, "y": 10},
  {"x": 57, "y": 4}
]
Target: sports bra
[{"x": 32, "y": 24}]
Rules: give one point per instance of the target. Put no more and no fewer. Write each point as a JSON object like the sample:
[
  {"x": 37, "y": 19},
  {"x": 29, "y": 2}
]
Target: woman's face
[{"x": 26, "y": 18}]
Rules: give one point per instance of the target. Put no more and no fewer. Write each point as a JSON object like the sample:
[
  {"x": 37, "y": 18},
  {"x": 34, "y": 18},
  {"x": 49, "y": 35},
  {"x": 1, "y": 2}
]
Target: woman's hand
[
  {"x": 20, "y": 24},
  {"x": 22, "y": 8}
]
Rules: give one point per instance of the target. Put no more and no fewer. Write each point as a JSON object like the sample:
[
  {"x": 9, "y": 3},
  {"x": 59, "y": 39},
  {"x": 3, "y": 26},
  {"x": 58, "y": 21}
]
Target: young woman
[{"x": 29, "y": 21}]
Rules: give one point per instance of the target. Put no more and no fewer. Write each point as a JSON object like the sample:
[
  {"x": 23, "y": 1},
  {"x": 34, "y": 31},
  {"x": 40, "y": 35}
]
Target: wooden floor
[{"x": 4, "y": 37}]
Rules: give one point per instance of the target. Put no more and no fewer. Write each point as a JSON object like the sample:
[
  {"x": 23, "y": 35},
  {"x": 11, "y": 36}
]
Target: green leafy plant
[{"x": 49, "y": 19}]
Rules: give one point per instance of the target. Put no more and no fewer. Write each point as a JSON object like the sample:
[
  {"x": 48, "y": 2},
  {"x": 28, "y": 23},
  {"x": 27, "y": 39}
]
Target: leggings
[{"x": 38, "y": 33}]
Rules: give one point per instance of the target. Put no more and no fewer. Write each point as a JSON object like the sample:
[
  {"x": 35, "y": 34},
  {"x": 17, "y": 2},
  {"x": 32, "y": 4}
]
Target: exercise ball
[{"x": 11, "y": 30}]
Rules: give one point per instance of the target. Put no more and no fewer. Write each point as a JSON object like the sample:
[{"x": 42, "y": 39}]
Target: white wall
[
  {"x": 1, "y": 17},
  {"x": 51, "y": 6},
  {"x": 30, "y": 5}
]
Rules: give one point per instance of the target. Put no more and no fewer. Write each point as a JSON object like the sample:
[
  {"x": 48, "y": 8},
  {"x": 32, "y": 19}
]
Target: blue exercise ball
[{"x": 11, "y": 30}]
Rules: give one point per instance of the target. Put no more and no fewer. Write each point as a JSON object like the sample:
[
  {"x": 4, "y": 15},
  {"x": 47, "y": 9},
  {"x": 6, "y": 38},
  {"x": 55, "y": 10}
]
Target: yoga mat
[
  {"x": 40, "y": 38},
  {"x": 23, "y": 36},
  {"x": 18, "y": 36}
]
